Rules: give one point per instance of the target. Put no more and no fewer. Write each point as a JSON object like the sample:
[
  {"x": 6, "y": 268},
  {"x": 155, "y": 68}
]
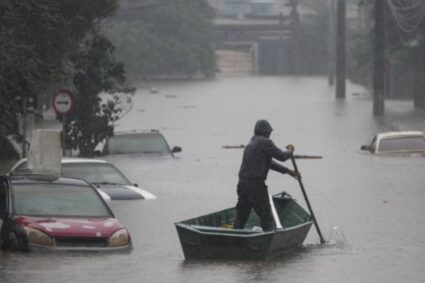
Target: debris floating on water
[
  {"x": 233, "y": 146},
  {"x": 154, "y": 90}
]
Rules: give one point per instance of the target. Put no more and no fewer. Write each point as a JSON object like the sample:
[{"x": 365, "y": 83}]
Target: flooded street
[{"x": 369, "y": 208}]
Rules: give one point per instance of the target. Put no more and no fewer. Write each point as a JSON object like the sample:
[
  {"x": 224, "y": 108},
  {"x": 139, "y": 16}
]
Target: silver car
[{"x": 108, "y": 180}]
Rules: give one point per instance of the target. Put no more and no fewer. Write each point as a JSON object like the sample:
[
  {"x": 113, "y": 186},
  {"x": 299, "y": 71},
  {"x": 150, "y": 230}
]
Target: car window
[
  {"x": 403, "y": 144},
  {"x": 373, "y": 144},
  {"x": 146, "y": 143},
  {"x": 95, "y": 173},
  {"x": 57, "y": 200}
]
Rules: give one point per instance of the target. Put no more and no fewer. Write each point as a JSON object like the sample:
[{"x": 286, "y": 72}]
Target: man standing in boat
[{"x": 257, "y": 160}]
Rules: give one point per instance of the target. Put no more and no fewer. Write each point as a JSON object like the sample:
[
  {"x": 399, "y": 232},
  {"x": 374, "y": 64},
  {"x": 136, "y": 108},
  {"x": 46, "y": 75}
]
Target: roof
[
  {"x": 74, "y": 160},
  {"x": 399, "y": 134},
  {"x": 34, "y": 178},
  {"x": 82, "y": 160},
  {"x": 153, "y": 131}
]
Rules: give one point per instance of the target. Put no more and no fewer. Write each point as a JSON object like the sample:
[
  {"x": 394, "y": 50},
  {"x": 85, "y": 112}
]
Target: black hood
[{"x": 263, "y": 128}]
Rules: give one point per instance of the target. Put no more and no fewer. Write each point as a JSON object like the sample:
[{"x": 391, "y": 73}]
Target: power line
[{"x": 408, "y": 14}]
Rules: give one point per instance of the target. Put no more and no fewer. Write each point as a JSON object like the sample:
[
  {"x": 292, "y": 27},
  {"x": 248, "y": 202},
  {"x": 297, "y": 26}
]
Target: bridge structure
[{"x": 257, "y": 44}]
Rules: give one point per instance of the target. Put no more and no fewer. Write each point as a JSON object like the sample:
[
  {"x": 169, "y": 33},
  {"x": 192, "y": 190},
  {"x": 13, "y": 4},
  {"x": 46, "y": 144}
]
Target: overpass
[{"x": 256, "y": 44}]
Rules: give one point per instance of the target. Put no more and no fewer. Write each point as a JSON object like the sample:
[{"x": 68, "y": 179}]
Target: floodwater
[{"x": 370, "y": 209}]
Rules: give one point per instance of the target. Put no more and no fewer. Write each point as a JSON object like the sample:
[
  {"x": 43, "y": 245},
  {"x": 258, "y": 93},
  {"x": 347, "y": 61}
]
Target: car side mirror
[
  {"x": 176, "y": 149},
  {"x": 365, "y": 147}
]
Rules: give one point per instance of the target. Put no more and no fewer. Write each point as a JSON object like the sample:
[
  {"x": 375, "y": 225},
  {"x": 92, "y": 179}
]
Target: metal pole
[
  {"x": 331, "y": 42},
  {"x": 63, "y": 134},
  {"x": 24, "y": 127},
  {"x": 340, "y": 50},
  {"x": 379, "y": 64}
]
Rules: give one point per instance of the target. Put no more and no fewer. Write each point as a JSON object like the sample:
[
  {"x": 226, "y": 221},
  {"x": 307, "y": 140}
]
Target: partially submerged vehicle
[
  {"x": 137, "y": 143},
  {"x": 111, "y": 183},
  {"x": 211, "y": 236},
  {"x": 51, "y": 213},
  {"x": 397, "y": 143}
]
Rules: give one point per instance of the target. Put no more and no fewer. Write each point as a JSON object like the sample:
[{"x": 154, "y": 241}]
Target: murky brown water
[{"x": 370, "y": 209}]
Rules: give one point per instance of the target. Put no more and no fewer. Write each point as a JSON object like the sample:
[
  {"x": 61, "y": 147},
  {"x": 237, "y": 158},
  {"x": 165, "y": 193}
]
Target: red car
[{"x": 50, "y": 213}]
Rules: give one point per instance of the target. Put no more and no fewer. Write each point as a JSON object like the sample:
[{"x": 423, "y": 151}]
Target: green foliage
[
  {"x": 96, "y": 71},
  {"x": 407, "y": 49},
  {"x": 312, "y": 45},
  {"x": 47, "y": 43},
  {"x": 172, "y": 39},
  {"x": 361, "y": 48}
]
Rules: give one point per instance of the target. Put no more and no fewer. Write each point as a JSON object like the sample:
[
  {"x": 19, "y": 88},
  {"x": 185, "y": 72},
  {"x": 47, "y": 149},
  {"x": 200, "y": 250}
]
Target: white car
[
  {"x": 108, "y": 180},
  {"x": 403, "y": 142}
]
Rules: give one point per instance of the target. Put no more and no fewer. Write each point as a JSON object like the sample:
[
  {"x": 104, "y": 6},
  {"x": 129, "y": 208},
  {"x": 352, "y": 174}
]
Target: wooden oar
[
  {"x": 307, "y": 156},
  {"x": 322, "y": 240}
]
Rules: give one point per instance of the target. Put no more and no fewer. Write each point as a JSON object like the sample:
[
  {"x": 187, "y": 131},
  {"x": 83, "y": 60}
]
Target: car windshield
[
  {"x": 137, "y": 143},
  {"x": 57, "y": 200},
  {"x": 95, "y": 173},
  {"x": 403, "y": 144}
]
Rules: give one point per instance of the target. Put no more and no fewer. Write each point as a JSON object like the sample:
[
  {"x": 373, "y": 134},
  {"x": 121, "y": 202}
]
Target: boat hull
[{"x": 205, "y": 238}]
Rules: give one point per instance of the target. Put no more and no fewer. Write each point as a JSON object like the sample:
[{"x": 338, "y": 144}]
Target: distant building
[{"x": 240, "y": 8}]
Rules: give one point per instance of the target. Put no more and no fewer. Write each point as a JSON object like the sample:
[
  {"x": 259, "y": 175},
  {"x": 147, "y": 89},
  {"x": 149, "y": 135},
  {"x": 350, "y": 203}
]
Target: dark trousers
[{"x": 253, "y": 195}]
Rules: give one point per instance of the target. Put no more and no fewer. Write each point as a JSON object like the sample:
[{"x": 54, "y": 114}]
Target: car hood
[
  {"x": 124, "y": 192},
  {"x": 71, "y": 227}
]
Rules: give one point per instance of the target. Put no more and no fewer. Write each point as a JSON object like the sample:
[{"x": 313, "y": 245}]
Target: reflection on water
[{"x": 368, "y": 207}]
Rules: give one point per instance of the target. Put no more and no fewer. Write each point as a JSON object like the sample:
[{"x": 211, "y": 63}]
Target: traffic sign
[{"x": 63, "y": 102}]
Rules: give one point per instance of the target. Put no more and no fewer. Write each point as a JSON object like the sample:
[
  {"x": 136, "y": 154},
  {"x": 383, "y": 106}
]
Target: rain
[{"x": 328, "y": 75}]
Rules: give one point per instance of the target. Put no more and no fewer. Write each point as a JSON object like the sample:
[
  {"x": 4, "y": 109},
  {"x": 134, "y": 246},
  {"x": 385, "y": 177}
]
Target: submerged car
[
  {"x": 403, "y": 142},
  {"x": 149, "y": 142},
  {"x": 111, "y": 183},
  {"x": 51, "y": 213}
]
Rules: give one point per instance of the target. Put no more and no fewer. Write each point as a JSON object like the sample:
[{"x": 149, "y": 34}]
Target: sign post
[{"x": 63, "y": 104}]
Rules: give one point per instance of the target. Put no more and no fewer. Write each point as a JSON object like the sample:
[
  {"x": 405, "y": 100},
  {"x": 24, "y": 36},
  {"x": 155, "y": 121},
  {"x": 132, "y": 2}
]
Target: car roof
[
  {"x": 400, "y": 134},
  {"x": 44, "y": 179},
  {"x": 75, "y": 160},
  {"x": 82, "y": 160},
  {"x": 135, "y": 132}
]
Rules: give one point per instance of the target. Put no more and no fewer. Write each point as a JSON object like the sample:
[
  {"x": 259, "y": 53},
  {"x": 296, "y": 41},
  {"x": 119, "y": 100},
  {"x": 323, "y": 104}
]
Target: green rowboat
[{"x": 211, "y": 236}]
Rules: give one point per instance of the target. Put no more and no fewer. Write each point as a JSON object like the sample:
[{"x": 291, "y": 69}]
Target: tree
[
  {"x": 96, "y": 71},
  {"x": 171, "y": 38},
  {"x": 405, "y": 48},
  {"x": 40, "y": 45}
]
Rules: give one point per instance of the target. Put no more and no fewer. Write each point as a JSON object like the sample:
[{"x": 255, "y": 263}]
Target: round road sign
[{"x": 63, "y": 102}]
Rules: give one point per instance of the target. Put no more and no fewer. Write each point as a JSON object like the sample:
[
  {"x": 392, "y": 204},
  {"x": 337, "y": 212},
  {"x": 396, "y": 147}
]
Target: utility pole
[
  {"x": 331, "y": 42},
  {"x": 340, "y": 50},
  {"x": 295, "y": 25},
  {"x": 379, "y": 64}
]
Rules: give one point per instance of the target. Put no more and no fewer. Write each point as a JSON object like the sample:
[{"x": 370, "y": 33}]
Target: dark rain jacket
[{"x": 259, "y": 153}]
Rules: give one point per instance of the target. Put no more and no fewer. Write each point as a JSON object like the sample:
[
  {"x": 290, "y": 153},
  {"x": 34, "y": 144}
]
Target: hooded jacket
[{"x": 259, "y": 153}]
